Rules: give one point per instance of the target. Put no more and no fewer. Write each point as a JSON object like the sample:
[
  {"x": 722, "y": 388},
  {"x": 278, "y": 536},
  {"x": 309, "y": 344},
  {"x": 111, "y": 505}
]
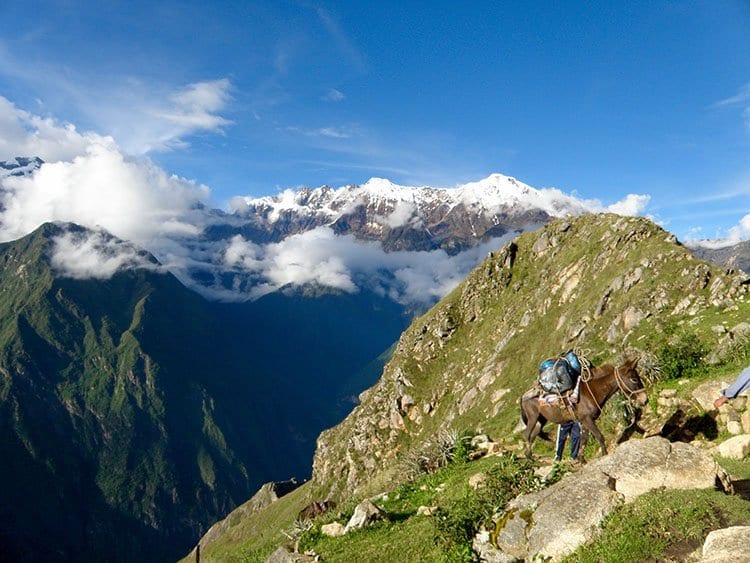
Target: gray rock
[
  {"x": 734, "y": 427},
  {"x": 639, "y": 466},
  {"x": 333, "y": 530},
  {"x": 554, "y": 522},
  {"x": 365, "y": 513},
  {"x": 736, "y": 447},
  {"x": 283, "y": 555},
  {"x": 707, "y": 393},
  {"x": 727, "y": 545}
]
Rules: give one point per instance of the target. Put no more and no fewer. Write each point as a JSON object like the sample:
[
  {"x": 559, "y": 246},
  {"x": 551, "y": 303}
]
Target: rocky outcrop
[{"x": 554, "y": 522}]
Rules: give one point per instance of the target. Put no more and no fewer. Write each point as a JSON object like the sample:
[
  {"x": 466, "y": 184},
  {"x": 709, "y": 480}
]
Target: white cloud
[
  {"x": 335, "y": 132},
  {"x": 25, "y": 134},
  {"x": 194, "y": 108},
  {"x": 334, "y": 95},
  {"x": 332, "y": 132},
  {"x": 736, "y": 234},
  {"x": 133, "y": 199},
  {"x": 403, "y": 213},
  {"x": 342, "y": 262},
  {"x": 94, "y": 255},
  {"x": 142, "y": 121},
  {"x": 631, "y": 205},
  {"x": 152, "y": 124},
  {"x": 742, "y": 98}
]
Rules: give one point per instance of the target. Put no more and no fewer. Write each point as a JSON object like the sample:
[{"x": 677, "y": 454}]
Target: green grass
[{"x": 663, "y": 525}]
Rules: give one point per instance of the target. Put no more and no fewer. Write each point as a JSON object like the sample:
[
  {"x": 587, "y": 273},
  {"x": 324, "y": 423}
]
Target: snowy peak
[
  {"x": 19, "y": 166},
  {"x": 495, "y": 194},
  {"x": 407, "y": 217}
]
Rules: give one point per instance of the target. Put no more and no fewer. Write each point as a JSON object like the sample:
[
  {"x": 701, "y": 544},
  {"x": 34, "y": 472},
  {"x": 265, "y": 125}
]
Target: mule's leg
[
  {"x": 531, "y": 432},
  {"x": 582, "y": 444},
  {"x": 590, "y": 425}
]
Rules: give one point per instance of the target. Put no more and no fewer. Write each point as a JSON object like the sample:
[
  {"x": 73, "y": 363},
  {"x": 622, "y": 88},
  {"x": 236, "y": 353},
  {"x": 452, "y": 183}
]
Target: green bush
[{"x": 682, "y": 356}]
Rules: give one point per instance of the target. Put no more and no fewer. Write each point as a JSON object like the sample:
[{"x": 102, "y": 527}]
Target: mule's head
[{"x": 631, "y": 384}]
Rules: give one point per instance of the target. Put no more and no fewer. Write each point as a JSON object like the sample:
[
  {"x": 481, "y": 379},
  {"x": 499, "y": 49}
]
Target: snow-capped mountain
[
  {"x": 20, "y": 166},
  {"x": 405, "y": 217}
]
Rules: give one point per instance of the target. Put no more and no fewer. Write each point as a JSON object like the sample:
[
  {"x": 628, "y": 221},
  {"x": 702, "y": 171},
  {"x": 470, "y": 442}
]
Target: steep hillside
[
  {"x": 601, "y": 282},
  {"x": 125, "y": 422}
]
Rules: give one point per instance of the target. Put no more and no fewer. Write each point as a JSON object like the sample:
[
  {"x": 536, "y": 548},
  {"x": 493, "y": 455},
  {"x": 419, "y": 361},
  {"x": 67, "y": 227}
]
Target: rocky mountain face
[
  {"x": 600, "y": 283},
  {"x": 401, "y": 217},
  {"x": 736, "y": 256}
]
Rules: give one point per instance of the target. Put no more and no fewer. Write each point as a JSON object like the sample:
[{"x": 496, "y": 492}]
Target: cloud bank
[
  {"x": 321, "y": 257},
  {"x": 95, "y": 255}
]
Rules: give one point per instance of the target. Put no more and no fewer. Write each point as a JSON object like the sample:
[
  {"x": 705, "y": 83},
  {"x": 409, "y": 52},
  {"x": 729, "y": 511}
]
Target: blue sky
[{"x": 597, "y": 99}]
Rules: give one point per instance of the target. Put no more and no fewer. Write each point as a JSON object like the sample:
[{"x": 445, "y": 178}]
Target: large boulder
[
  {"x": 554, "y": 522},
  {"x": 729, "y": 545},
  {"x": 735, "y": 448}
]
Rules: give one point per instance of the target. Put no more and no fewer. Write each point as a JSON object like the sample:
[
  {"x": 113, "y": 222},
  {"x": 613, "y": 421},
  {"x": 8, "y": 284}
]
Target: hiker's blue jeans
[
  {"x": 738, "y": 385},
  {"x": 572, "y": 429}
]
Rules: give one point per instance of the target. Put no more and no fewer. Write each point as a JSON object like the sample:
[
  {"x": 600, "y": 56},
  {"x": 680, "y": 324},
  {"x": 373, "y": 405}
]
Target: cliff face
[{"x": 601, "y": 283}]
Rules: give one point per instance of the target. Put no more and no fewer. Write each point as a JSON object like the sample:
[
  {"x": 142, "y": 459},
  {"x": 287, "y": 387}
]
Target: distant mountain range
[
  {"x": 735, "y": 256},
  {"x": 402, "y": 217}
]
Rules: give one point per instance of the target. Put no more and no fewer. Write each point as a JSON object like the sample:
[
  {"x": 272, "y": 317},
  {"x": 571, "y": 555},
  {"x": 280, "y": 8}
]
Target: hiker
[
  {"x": 740, "y": 384},
  {"x": 572, "y": 429}
]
